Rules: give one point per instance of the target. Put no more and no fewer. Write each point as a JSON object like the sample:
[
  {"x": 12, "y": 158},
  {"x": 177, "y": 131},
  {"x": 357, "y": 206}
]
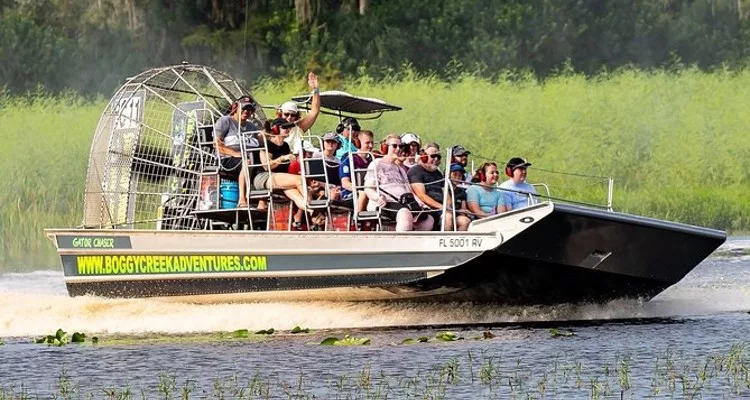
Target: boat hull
[{"x": 544, "y": 254}]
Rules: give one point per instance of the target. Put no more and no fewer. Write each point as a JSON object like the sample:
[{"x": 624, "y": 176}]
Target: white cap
[
  {"x": 306, "y": 146},
  {"x": 289, "y": 106},
  {"x": 408, "y": 138}
]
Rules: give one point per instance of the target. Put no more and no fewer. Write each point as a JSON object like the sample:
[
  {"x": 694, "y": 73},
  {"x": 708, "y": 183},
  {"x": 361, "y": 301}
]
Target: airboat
[{"x": 154, "y": 224}]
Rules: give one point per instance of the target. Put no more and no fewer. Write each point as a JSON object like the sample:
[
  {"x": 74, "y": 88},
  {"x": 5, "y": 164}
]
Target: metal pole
[
  {"x": 610, "y": 192},
  {"x": 447, "y": 177}
]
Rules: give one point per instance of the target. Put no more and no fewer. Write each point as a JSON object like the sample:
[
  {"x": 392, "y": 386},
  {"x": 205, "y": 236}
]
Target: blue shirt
[
  {"x": 518, "y": 200},
  {"x": 345, "y": 171},
  {"x": 488, "y": 200},
  {"x": 346, "y": 147}
]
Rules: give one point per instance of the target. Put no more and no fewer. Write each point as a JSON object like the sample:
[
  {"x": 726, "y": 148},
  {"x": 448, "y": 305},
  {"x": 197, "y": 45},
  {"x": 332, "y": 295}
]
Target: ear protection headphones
[
  {"x": 423, "y": 157},
  {"x": 348, "y": 122},
  {"x": 276, "y": 129},
  {"x": 384, "y": 147},
  {"x": 509, "y": 171},
  {"x": 480, "y": 173}
]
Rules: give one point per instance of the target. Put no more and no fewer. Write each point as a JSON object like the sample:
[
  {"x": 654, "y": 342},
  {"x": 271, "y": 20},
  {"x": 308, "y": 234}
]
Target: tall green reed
[{"x": 674, "y": 142}]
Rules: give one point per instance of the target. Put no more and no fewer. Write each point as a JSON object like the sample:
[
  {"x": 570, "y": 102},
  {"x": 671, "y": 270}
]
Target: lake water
[{"x": 689, "y": 341}]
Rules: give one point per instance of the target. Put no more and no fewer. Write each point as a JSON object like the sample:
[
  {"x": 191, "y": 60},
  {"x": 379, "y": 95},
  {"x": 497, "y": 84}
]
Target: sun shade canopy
[{"x": 345, "y": 102}]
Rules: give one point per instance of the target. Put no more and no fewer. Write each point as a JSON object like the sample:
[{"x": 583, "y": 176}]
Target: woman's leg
[
  {"x": 425, "y": 224},
  {"x": 292, "y": 186},
  {"x": 295, "y": 196},
  {"x": 242, "y": 203},
  {"x": 404, "y": 220}
]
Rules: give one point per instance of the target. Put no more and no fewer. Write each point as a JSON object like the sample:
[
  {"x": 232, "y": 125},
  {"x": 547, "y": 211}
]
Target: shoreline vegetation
[
  {"x": 479, "y": 373},
  {"x": 674, "y": 141}
]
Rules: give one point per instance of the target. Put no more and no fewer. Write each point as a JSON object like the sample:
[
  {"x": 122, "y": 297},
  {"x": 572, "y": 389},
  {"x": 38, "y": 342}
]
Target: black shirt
[
  {"x": 277, "y": 151},
  {"x": 433, "y": 181}
]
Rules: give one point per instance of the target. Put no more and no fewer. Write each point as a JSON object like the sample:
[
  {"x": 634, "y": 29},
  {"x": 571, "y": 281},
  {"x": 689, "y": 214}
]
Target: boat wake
[{"x": 36, "y": 303}]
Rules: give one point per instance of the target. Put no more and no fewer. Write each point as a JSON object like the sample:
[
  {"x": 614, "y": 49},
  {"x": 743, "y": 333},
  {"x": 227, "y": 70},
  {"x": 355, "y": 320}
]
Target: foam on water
[{"x": 37, "y": 303}]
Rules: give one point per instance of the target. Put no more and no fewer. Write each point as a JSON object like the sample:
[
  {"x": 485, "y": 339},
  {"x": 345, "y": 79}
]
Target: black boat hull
[{"x": 578, "y": 254}]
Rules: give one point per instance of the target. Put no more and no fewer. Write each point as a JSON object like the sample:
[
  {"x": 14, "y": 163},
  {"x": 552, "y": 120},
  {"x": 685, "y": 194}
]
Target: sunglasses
[
  {"x": 290, "y": 115},
  {"x": 436, "y": 156}
]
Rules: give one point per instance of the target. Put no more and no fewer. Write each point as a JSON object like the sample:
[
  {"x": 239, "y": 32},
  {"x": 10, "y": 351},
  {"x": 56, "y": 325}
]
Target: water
[{"x": 616, "y": 347}]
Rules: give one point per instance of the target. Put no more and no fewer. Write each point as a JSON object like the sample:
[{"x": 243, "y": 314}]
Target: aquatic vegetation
[
  {"x": 268, "y": 331},
  {"x": 423, "y": 339},
  {"x": 447, "y": 337},
  {"x": 241, "y": 333},
  {"x": 720, "y": 374},
  {"x": 297, "y": 329},
  {"x": 554, "y": 332},
  {"x": 345, "y": 341},
  {"x": 60, "y": 338}
]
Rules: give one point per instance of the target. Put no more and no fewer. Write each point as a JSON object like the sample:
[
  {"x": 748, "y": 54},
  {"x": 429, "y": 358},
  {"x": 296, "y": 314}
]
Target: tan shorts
[{"x": 260, "y": 181}]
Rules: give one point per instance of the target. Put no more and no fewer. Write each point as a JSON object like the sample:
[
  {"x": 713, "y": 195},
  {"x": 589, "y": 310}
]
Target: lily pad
[
  {"x": 241, "y": 333},
  {"x": 345, "y": 341},
  {"x": 329, "y": 341},
  {"x": 268, "y": 331},
  {"x": 422, "y": 339},
  {"x": 554, "y": 332},
  {"x": 78, "y": 337},
  {"x": 447, "y": 337},
  {"x": 297, "y": 329}
]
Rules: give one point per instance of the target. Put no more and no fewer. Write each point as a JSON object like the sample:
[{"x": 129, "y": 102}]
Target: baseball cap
[
  {"x": 455, "y": 167},
  {"x": 330, "y": 136},
  {"x": 289, "y": 106},
  {"x": 517, "y": 162},
  {"x": 306, "y": 146},
  {"x": 459, "y": 151},
  {"x": 409, "y": 138}
]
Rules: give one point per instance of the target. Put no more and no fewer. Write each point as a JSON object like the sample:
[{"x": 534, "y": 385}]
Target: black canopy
[{"x": 344, "y": 102}]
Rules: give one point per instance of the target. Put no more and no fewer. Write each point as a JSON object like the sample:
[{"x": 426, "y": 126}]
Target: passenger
[
  {"x": 391, "y": 180},
  {"x": 227, "y": 139},
  {"x": 276, "y": 163},
  {"x": 460, "y": 155},
  {"x": 519, "y": 191},
  {"x": 402, "y": 156},
  {"x": 361, "y": 159},
  {"x": 347, "y": 131},
  {"x": 290, "y": 112},
  {"x": 331, "y": 145},
  {"x": 428, "y": 184},
  {"x": 457, "y": 175},
  {"x": 484, "y": 199},
  {"x": 415, "y": 146}
]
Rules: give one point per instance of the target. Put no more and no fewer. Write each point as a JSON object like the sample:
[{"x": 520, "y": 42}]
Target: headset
[
  {"x": 509, "y": 171},
  {"x": 348, "y": 122},
  {"x": 423, "y": 157},
  {"x": 276, "y": 128},
  {"x": 384, "y": 147},
  {"x": 481, "y": 175}
]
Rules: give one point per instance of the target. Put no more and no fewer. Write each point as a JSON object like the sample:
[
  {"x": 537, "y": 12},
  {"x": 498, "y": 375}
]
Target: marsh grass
[
  {"x": 719, "y": 374},
  {"x": 675, "y": 142}
]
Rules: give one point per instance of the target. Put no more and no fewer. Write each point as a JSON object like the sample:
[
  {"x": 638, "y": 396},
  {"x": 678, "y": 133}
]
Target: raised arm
[{"x": 307, "y": 122}]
